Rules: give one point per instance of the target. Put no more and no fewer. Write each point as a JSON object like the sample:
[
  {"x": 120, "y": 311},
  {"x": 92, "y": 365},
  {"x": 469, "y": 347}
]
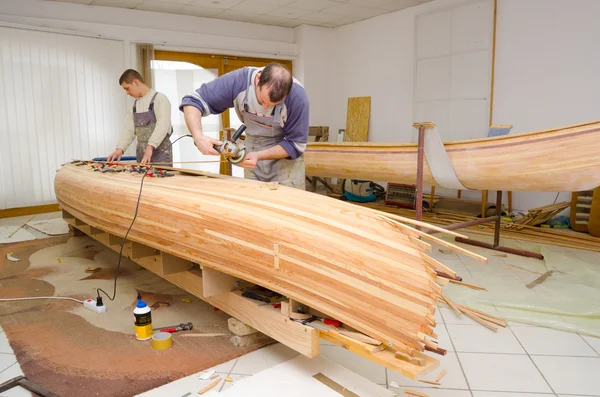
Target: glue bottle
[{"x": 142, "y": 320}]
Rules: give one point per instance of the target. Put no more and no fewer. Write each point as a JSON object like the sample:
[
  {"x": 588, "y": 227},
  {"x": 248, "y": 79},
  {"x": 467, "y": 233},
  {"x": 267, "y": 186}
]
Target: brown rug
[{"x": 73, "y": 351}]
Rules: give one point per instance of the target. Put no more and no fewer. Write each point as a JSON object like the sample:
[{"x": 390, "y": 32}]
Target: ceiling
[{"x": 286, "y": 13}]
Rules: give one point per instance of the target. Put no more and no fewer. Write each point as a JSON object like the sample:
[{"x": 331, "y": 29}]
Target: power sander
[{"x": 232, "y": 150}]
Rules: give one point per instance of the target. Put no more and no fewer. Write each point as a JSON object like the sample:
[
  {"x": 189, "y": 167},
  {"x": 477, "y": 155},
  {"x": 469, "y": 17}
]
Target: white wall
[
  {"x": 376, "y": 58},
  {"x": 547, "y": 70},
  {"x": 314, "y": 69}
]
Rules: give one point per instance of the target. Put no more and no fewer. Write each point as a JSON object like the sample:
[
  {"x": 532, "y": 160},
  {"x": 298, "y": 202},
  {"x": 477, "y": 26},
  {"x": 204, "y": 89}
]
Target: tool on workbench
[
  {"x": 159, "y": 174},
  {"x": 232, "y": 150},
  {"x": 175, "y": 328}
]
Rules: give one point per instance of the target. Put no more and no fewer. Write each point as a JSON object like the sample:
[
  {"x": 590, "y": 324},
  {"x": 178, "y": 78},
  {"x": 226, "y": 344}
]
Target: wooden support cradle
[{"x": 219, "y": 290}]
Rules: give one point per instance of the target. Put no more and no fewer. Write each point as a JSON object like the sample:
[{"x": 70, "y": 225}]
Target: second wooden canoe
[{"x": 558, "y": 160}]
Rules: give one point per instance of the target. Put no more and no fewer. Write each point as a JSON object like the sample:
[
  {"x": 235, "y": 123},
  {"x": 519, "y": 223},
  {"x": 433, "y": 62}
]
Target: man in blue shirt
[{"x": 275, "y": 109}]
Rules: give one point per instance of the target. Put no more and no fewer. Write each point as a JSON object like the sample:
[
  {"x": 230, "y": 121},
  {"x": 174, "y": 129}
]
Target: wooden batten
[{"x": 387, "y": 358}]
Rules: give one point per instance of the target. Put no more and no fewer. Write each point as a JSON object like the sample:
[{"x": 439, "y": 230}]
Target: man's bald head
[{"x": 277, "y": 79}]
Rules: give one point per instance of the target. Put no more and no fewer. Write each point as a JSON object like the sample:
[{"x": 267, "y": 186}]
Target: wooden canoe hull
[
  {"x": 341, "y": 259},
  {"x": 559, "y": 160}
]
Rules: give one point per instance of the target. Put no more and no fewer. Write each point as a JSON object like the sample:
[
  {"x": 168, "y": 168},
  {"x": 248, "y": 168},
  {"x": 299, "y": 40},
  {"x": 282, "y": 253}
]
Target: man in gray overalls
[
  {"x": 273, "y": 106},
  {"x": 148, "y": 120}
]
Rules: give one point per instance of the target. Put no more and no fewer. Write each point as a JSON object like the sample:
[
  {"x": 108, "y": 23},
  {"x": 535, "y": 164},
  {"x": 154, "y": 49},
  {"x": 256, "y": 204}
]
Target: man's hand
[
  {"x": 205, "y": 144},
  {"x": 147, "y": 154},
  {"x": 116, "y": 155},
  {"x": 250, "y": 160}
]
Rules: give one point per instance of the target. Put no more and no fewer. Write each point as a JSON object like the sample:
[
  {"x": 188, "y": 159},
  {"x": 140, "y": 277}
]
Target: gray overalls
[
  {"x": 144, "y": 123},
  {"x": 266, "y": 132}
]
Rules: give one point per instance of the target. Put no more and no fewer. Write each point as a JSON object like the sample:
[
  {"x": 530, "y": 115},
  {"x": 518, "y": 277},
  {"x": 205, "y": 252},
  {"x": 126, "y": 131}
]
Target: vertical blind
[{"x": 59, "y": 100}]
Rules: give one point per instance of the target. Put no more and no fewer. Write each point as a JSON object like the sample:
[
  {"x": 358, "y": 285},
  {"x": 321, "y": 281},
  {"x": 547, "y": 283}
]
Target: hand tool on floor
[
  {"x": 175, "y": 328},
  {"x": 232, "y": 150},
  {"x": 23, "y": 382}
]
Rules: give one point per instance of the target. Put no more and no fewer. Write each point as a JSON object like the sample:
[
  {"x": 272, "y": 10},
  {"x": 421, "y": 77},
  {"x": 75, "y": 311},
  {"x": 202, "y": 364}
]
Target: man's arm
[
  {"x": 193, "y": 120},
  {"x": 295, "y": 130},
  {"x": 212, "y": 98}
]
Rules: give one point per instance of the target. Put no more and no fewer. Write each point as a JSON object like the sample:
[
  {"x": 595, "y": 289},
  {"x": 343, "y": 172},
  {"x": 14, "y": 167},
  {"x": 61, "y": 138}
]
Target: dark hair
[
  {"x": 278, "y": 79},
  {"x": 129, "y": 75}
]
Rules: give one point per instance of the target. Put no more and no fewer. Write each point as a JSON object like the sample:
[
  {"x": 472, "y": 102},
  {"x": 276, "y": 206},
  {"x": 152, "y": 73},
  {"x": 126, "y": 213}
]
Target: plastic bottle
[{"x": 142, "y": 320}]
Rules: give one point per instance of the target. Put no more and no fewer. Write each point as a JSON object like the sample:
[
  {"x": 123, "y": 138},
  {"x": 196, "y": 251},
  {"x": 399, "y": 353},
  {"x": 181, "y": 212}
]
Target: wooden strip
[
  {"x": 441, "y": 375},
  {"x": 210, "y": 386},
  {"x": 387, "y": 358},
  {"x": 360, "y": 337},
  {"x": 429, "y": 382},
  {"x": 334, "y": 385},
  {"x": 20, "y": 227},
  {"x": 540, "y": 279},
  {"x": 21, "y": 211},
  {"x": 472, "y": 286},
  {"x": 276, "y": 255},
  {"x": 452, "y": 305},
  {"x": 443, "y": 242},
  {"x": 487, "y": 317},
  {"x": 413, "y": 360},
  {"x": 437, "y": 265},
  {"x": 420, "y": 243},
  {"x": 424, "y": 225},
  {"x": 442, "y": 281},
  {"x": 415, "y": 393},
  {"x": 481, "y": 321}
]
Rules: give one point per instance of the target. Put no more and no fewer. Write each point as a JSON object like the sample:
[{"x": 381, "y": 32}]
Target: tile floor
[{"x": 518, "y": 361}]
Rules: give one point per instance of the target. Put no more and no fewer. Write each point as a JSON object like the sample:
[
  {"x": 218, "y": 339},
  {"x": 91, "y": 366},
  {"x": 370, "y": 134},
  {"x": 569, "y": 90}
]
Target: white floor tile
[
  {"x": 571, "y": 375},
  {"x": 505, "y": 394},
  {"x": 438, "y": 317},
  {"x": 537, "y": 340},
  {"x": 4, "y": 345},
  {"x": 433, "y": 392},
  {"x": 224, "y": 368},
  {"x": 368, "y": 369},
  {"x": 6, "y": 360},
  {"x": 593, "y": 342},
  {"x": 10, "y": 371},
  {"x": 262, "y": 359},
  {"x": 502, "y": 372},
  {"x": 443, "y": 339},
  {"x": 454, "y": 378},
  {"x": 234, "y": 378},
  {"x": 18, "y": 392},
  {"x": 189, "y": 384},
  {"x": 479, "y": 339}
]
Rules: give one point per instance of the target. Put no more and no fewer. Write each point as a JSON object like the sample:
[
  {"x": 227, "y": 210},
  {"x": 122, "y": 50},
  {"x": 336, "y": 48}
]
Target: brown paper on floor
[{"x": 73, "y": 351}]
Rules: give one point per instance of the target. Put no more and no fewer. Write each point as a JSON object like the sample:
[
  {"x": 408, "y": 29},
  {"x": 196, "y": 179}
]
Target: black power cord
[{"x": 137, "y": 206}]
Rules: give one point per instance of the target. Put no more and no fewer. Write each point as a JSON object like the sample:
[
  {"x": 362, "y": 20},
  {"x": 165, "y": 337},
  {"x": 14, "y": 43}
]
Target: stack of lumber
[
  {"x": 562, "y": 238},
  {"x": 539, "y": 215}
]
